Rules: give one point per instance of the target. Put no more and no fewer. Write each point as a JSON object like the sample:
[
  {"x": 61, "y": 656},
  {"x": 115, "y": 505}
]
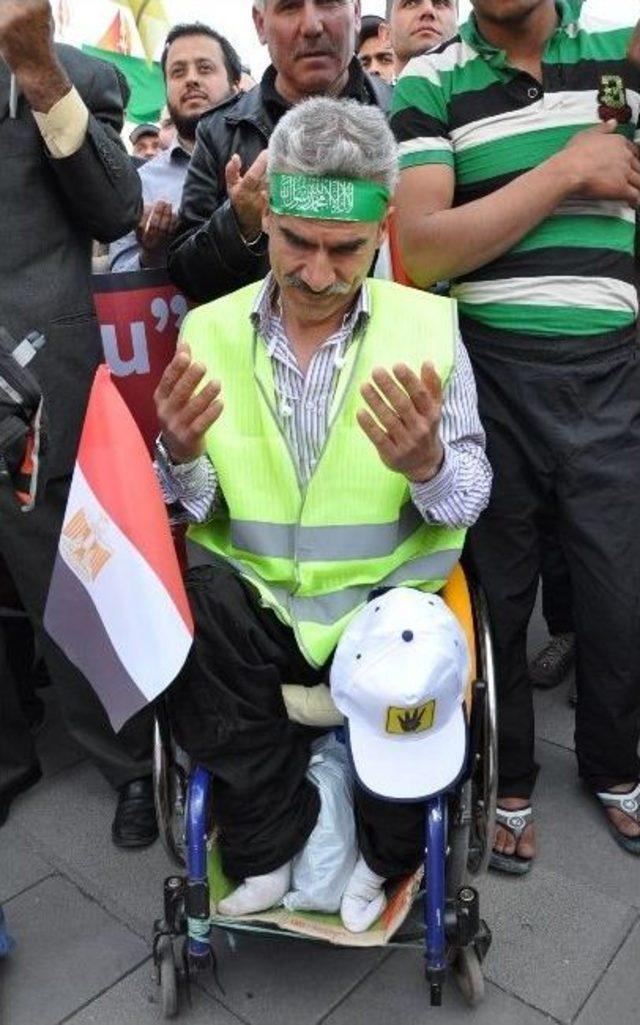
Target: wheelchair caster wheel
[
  {"x": 168, "y": 977},
  {"x": 467, "y": 971}
]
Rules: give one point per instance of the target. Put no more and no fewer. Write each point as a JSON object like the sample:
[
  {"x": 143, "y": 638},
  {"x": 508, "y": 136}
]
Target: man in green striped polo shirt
[{"x": 520, "y": 181}]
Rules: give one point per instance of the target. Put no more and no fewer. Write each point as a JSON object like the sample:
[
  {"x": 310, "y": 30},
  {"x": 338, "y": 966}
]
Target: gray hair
[{"x": 335, "y": 139}]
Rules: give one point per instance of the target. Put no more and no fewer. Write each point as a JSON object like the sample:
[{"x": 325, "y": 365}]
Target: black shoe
[
  {"x": 30, "y": 777},
  {"x": 551, "y": 665},
  {"x": 134, "y": 823}
]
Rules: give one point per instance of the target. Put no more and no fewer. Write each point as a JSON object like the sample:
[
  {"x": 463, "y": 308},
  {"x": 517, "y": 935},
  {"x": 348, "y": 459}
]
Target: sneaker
[{"x": 551, "y": 665}]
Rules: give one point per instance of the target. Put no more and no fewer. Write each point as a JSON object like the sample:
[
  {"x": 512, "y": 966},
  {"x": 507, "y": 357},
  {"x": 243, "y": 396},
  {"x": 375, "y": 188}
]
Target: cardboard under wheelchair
[
  {"x": 315, "y": 925},
  {"x": 458, "y": 826}
]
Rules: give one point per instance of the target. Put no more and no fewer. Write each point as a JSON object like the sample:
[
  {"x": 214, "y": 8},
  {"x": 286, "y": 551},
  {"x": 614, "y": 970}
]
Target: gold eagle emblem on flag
[{"x": 83, "y": 548}]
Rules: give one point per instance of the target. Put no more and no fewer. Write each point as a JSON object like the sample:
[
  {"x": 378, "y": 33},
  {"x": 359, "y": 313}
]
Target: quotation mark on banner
[{"x": 162, "y": 310}]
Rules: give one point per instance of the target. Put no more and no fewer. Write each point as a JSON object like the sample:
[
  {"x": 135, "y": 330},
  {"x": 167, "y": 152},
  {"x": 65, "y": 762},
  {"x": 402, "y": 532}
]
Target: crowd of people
[{"x": 326, "y": 434}]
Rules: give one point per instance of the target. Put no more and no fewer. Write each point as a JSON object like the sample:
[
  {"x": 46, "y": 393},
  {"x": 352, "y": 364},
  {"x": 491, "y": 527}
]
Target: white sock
[
  {"x": 364, "y": 899},
  {"x": 257, "y": 893}
]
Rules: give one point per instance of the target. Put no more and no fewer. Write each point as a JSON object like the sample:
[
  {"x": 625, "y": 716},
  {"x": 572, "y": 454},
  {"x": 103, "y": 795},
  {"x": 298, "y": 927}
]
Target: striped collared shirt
[
  {"x": 304, "y": 400},
  {"x": 455, "y": 497}
]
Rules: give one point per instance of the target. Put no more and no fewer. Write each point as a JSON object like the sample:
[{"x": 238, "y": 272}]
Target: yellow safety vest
[{"x": 315, "y": 552}]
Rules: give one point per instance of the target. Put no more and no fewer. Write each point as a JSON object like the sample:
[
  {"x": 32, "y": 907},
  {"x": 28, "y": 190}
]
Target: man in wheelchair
[{"x": 320, "y": 435}]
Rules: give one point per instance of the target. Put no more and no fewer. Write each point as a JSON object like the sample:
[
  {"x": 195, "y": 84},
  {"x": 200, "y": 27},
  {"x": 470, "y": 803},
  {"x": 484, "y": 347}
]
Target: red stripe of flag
[{"x": 112, "y": 451}]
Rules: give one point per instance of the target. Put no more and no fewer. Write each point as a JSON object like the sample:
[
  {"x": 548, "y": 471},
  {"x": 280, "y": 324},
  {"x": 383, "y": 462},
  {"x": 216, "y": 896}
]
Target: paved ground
[{"x": 566, "y": 939}]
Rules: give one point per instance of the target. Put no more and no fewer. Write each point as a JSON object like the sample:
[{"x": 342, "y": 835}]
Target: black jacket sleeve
[
  {"x": 209, "y": 258},
  {"x": 101, "y": 188}
]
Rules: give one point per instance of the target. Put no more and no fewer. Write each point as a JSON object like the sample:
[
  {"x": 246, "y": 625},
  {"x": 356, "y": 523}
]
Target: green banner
[{"x": 148, "y": 95}]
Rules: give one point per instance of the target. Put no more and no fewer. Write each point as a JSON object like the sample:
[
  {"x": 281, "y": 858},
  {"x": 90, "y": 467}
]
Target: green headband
[{"x": 330, "y": 199}]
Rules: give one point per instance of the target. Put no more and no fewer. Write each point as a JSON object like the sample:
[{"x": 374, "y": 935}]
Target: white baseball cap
[{"x": 399, "y": 676}]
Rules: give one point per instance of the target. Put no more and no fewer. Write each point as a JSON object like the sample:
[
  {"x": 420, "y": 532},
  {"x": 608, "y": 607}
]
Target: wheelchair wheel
[
  {"x": 169, "y": 789},
  {"x": 467, "y": 970},
  {"x": 168, "y": 977},
  {"x": 484, "y": 776}
]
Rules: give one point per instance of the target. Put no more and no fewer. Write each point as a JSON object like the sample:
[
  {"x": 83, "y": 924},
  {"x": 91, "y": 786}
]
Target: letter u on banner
[{"x": 140, "y": 315}]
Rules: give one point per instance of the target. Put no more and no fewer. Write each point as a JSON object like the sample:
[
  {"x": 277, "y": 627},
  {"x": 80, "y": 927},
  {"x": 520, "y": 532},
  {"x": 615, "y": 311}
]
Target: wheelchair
[{"x": 458, "y": 841}]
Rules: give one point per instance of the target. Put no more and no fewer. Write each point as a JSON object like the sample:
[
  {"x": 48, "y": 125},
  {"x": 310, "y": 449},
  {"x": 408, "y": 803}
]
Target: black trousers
[
  {"x": 554, "y": 576},
  {"x": 227, "y": 712},
  {"x": 563, "y": 429},
  {"x": 28, "y": 544},
  {"x": 17, "y": 753}
]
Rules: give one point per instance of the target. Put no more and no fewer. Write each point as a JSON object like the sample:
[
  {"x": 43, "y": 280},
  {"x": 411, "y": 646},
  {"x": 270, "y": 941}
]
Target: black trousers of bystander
[{"x": 563, "y": 430}]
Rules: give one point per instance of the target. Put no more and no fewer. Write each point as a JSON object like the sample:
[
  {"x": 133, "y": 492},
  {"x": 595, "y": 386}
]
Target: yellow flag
[{"x": 151, "y": 21}]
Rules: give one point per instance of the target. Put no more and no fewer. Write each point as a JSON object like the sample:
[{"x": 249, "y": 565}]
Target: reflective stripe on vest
[
  {"x": 311, "y": 544},
  {"x": 326, "y": 609}
]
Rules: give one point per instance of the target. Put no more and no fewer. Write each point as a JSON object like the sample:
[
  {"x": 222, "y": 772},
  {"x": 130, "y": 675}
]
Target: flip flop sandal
[
  {"x": 515, "y": 822},
  {"x": 628, "y": 803}
]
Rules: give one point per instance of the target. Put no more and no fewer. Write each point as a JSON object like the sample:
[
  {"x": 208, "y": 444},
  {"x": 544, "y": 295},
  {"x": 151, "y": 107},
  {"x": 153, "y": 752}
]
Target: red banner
[{"x": 140, "y": 316}]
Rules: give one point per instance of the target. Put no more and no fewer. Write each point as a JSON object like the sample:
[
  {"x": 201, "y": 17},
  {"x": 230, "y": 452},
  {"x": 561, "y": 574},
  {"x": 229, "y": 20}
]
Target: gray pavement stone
[
  {"x": 70, "y": 817},
  {"x": 617, "y": 998},
  {"x": 291, "y": 982},
  {"x": 397, "y": 992},
  {"x": 20, "y": 864},
  {"x": 68, "y": 951},
  {"x": 136, "y": 1000},
  {"x": 552, "y": 938},
  {"x": 572, "y": 833}
]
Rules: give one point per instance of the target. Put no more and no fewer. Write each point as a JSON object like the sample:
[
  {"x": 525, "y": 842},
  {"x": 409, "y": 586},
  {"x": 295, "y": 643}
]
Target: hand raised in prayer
[
  {"x": 246, "y": 193},
  {"x": 407, "y": 410},
  {"x": 185, "y": 413},
  {"x": 157, "y": 227}
]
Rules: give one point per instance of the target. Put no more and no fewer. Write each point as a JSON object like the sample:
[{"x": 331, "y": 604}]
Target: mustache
[
  {"x": 319, "y": 50},
  {"x": 338, "y": 287}
]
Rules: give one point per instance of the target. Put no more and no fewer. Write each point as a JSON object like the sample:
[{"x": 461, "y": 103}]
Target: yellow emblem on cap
[{"x": 411, "y": 720}]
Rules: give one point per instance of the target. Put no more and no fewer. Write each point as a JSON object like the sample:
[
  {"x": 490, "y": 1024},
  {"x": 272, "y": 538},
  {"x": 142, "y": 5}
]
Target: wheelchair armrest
[{"x": 311, "y": 706}]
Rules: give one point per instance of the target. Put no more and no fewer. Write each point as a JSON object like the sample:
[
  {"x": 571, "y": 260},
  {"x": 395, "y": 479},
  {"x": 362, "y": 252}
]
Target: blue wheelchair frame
[{"x": 436, "y": 920}]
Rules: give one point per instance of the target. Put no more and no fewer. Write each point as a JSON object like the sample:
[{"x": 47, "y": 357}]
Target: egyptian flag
[{"x": 117, "y": 605}]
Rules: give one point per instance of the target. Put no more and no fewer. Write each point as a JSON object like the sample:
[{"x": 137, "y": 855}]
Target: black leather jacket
[{"x": 209, "y": 257}]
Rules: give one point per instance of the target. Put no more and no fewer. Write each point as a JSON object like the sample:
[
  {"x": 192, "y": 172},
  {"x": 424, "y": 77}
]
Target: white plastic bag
[{"x": 322, "y": 869}]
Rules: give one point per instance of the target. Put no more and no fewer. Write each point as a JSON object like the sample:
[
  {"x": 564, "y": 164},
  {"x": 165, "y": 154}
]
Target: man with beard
[
  {"x": 520, "y": 182},
  {"x": 201, "y": 69},
  {"x": 311, "y": 43}
]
